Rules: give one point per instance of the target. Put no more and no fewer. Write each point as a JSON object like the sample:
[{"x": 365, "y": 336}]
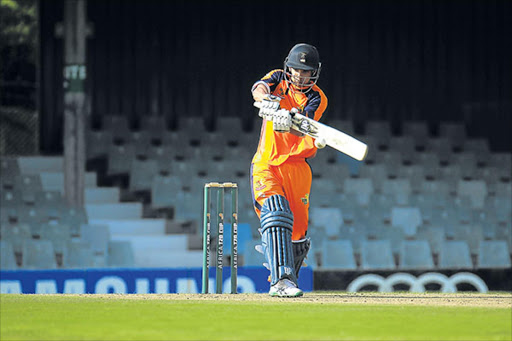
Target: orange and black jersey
[
  {"x": 276, "y": 148},
  {"x": 310, "y": 104}
]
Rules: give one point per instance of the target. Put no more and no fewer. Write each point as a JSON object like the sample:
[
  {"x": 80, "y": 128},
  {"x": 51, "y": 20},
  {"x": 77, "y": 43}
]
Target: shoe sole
[{"x": 275, "y": 294}]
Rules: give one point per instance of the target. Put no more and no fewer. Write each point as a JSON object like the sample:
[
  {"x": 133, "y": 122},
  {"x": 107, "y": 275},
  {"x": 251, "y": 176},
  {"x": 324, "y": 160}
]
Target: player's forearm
[{"x": 260, "y": 92}]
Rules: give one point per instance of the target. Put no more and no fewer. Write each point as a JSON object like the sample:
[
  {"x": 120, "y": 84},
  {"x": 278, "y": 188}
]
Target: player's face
[{"x": 300, "y": 78}]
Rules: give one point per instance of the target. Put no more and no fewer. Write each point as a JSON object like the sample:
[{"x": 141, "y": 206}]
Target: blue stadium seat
[
  {"x": 338, "y": 255},
  {"x": 16, "y": 235},
  {"x": 377, "y": 172},
  {"x": 97, "y": 236},
  {"x": 400, "y": 189},
  {"x": 435, "y": 236},
  {"x": 407, "y": 218},
  {"x": 362, "y": 188},
  {"x": 97, "y": 143},
  {"x": 377, "y": 255},
  {"x": 329, "y": 218},
  {"x": 38, "y": 254},
  {"x": 455, "y": 132},
  {"x": 78, "y": 255},
  {"x": 418, "y": 130},
  {"x": 475, "y": 190},
  {"x": 142, "y": 172},
  {"x": 7, "y": 259},
  {"x": 59, "y": 234},
  {"x": 493, "y": 254},
  {"x": 454, "y": 254},
  {"x": 416, "y": 255},
  {"x": 120, "y": 254}
]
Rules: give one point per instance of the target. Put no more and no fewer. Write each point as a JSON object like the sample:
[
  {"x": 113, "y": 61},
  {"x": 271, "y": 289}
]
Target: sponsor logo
[
  {"x": 305, "y": 200},
  {"x": 259, "y": 185},
  {"x": 417, "y": 284},
  {"x": 302, "y": 57},
  {"x": 304, "y": 126}
]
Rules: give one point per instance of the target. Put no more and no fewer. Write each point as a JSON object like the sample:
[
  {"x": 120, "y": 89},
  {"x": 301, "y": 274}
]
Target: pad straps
[{"x": 300, "y": 251}]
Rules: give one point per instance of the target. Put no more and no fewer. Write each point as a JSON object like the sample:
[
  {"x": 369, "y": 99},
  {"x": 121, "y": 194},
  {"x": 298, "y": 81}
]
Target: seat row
[{"x": 412, "y": 255}]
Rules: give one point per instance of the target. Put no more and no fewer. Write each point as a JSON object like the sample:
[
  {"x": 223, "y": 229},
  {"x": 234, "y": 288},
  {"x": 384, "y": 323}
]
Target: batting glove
[
  {"x": 282, "y": 121},
  {"x": 269, "y": 106}
]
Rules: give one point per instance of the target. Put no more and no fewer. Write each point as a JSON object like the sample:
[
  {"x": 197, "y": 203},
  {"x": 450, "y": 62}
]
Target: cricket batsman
[{"x": 280, "y": 175}]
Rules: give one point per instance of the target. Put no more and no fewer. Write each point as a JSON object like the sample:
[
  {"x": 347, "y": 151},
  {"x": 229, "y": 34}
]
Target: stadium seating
[
  {"x": 419, "y": 131},
  {"x": 16, "y": 234},
  {"x": 380, "y": 130},
  {"x": 96, "y": 236},
  {"x": 399, "y": 189},
  {"x": 38, "y": 254},
  {"x": 78, "y": 255},
  {"x": 329, "y": 218},
  {"x": 435, "y": 235},
  {"x": 356, "y": 234},
  {"x": 7, "y": 258},
  {"x": 120, "y": 210},
  {"x": 454, "y": 254},
  {"x": 362, "y": 188},
  {"x": 415, "y": 255},
  {"x": 251, "y": 257},
  {"x": 338, "y": 255},
  {"x": 493, "y": 254},
  {"x": 59, "y": 234},
  {"x": 455, "y": 132},
  {"x": 378, "y": 173},
  {"x": 413, "y": 187},
  {"x": 34, "y": 165},
  {"x": 407, "y": 218},
  {"x": 377, "y": 255},
  {"x": 95, "y": 195},
  {"x": 120, "y": 254}
]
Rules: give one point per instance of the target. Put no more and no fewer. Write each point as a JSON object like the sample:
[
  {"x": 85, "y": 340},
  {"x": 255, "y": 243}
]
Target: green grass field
[{"x": 193, "y": 317}]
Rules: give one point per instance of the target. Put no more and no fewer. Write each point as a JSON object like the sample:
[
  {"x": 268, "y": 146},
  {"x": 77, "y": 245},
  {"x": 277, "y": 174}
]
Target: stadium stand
[
  {"x": 78, "y": 255},
  {"x": 120, "y": 254},
  {"x": 38, "y": 254},
  {"x": 330, "y": 219},
  {"x": 377, "y": 254},
  {"x": 454, "y": 254},
  {"x": 406, "y": 218},
  {"x": 433, "y": 192},
  {"x": 338, "y": 255},
  {"x": 7, "y": 258},
  {"x": 419, "y": 131},
  {"x": 493, "y": 254},
  {"x": 251, "y": 257},
  {"x": 415, "y": 255}
]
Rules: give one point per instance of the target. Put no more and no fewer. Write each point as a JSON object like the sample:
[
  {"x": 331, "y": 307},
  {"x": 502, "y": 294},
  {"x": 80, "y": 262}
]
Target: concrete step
[
  {"x": 124, "y": 210},
  {"x": 54, "y": 181},
  {"x": 155, "y": 243},
  {"x": 34, "y": 165},
  {"x": 96, "y": 195},
  {"x": 169, "y": 259},
  {"x": 133, "y": 226}
]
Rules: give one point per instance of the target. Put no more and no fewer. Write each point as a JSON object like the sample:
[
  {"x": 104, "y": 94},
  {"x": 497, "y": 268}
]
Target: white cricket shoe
[{"x": 285, "y": 288}]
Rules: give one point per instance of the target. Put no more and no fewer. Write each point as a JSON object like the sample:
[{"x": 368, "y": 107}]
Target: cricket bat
[{"x": 333, "y": 138}]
